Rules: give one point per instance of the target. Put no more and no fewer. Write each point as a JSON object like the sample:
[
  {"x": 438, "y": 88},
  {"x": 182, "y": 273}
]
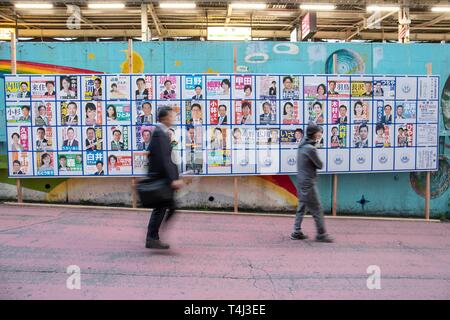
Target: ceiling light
[
  {"x": 441, "y": 9},
  {"x": 37, "y": 5},
  {"x": 318, "y": 7},
  {"x": 177, "y": 5},
  {"x": 375, "y": 8},
  {"x": 249, "y": 5},
  {"x": 112, "y": 5}
]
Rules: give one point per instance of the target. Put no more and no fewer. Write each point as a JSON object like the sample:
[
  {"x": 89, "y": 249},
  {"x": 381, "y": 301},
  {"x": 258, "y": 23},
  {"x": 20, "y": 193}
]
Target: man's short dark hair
[
  {"x": 49, "y": 82},
  {"x": 140, "y": 79},
  {"x": 15, "y": 134},
  {"x": 299, "y": 130},
  {"x": 196, "y": 105},
  {"x": 24, "y": 83},
  {"x": 98, "y": 79},
  {"x": 117, "y": 130},
  {"x": 164, "y": 112},
  {"x": 26, "y": 107},
  {"x": 99, "y": 161},
  {"x": 16, "y": 161},
  {"x": 222, "y": 105},
  {"x": 167, "y": 81},
  {"x": 363, "y": 126},
  {"x": 146, "y": 102},
  {"x": 343, "y": 106},
  {"x": 332, "y": 81},
  {"x": 90, "y": 128},
  {"x": 71, "y": 102},
  {"x": 198, "y": 86},
  {"x": 288, "y": 78},
  {"x": 40, "y": 107},
  {"x": 40, "y": 129},
  {"x": 70, "y": 128},
  {"x": 62, "y": 157}
]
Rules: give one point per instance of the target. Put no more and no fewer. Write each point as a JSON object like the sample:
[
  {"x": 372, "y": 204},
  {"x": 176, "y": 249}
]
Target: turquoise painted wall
[{"x": 384, "y": 193}]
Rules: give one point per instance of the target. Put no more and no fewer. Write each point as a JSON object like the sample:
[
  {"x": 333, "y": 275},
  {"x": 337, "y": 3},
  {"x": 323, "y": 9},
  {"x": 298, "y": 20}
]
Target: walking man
[
  {"x": 161, "y": 167},
  {"x": 308, "y": 162}
]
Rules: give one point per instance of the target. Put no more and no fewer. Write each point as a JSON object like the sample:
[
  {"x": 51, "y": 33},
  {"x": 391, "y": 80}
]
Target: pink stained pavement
[{"x": 216, "y": 257}]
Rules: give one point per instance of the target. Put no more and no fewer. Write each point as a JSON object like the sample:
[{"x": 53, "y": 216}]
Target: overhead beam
[
  {"x": 438, "y": 19},
  {"x": 155, "y": 18},
  {"x": 203, "y": 33},
  {"x": 362, "y": 27}
]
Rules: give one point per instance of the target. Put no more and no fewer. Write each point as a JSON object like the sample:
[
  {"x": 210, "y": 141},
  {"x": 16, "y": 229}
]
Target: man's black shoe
[
  {"x": 324, "y": 238},
  {"x": 298, "y": 236},
  {"x": 156, "y": 244}
]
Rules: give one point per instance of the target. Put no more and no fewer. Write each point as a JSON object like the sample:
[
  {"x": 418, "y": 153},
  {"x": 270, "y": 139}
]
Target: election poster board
[{"x": 90, "y": 125}]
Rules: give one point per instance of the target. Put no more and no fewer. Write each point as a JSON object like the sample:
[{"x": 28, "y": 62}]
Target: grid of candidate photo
[{"x": 102, "y": 124}]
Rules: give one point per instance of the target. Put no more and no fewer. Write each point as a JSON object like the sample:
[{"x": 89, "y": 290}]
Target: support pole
[
  {"x": 335, "y": 177},
  {"x": 14, "y": 71},
  {"x": 429, "y": 67},
  {"x": 235, "y": 179},
  {"x": 145, "y": 30},
  {"x": 130, "y": 70}
]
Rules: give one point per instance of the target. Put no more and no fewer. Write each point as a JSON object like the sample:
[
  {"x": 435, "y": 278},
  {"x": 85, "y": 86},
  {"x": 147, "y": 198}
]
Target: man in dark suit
[
  {"x": 198, "y": 93},
  {"x": 161, "y": 166},
  {"x": 222, "y": 114},
  {"x": 342, "y": 115},
  {"x": 142, "y": 91},
  {"x": 70, "y": 143},
  {"x": 91, "y": 141},
  {"x": 387, "y": 117}
]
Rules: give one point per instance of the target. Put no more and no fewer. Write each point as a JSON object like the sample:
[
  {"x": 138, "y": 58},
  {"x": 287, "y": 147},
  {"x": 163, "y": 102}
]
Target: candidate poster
[
  {"x": 68, "y": 87},
  {"x": 168, "y": 87},
  {"x": 43, "y": 88},
  {"x": 18, "y": 113},
  {"x": 93, "y": 87},
  {"x": 17, "y": 88},
  {"x": 44, "y": 113},
  {"x": 143, "y": 87},
  {"x": 267, "y": 87},
  {"x": 20, "y": 164},
  {"x": 118, "y": 87}
]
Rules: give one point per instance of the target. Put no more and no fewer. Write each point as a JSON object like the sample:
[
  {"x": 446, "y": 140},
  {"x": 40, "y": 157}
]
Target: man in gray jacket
[{"x": 308, "y": 162}]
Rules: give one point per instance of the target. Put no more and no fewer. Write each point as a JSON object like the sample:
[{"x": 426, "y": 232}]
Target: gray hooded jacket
[{"x": 308, "y": 162}]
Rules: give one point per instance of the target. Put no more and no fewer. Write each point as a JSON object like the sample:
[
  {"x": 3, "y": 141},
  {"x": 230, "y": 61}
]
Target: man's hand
[{"x": 177, "y": 184}]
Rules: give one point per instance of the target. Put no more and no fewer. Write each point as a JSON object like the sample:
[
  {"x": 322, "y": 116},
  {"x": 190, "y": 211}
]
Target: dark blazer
[
  {"x": 160, "y": 157},
  {"x": 195, "y": 97},
  {"x": 94, "y": 147},
  {"x": 386, "y": 120},
  {"x": 144, "y": 94},
  {"x": 342, "y": 121},
  {"x": 74, "y": 143},
  {"x": 225, "y": 120}
]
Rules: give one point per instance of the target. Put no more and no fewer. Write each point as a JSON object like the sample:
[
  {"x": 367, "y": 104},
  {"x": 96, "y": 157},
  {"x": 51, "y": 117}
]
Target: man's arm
[{"x": 314, "y": 157}]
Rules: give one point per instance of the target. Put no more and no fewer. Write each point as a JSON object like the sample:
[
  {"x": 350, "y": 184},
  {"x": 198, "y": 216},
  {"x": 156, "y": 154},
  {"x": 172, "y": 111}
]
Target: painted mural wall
[{"x": 378, "y": 193}]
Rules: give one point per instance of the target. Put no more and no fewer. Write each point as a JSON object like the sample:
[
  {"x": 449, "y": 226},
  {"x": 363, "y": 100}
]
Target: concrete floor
[{"x": 216, "y": 257}]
